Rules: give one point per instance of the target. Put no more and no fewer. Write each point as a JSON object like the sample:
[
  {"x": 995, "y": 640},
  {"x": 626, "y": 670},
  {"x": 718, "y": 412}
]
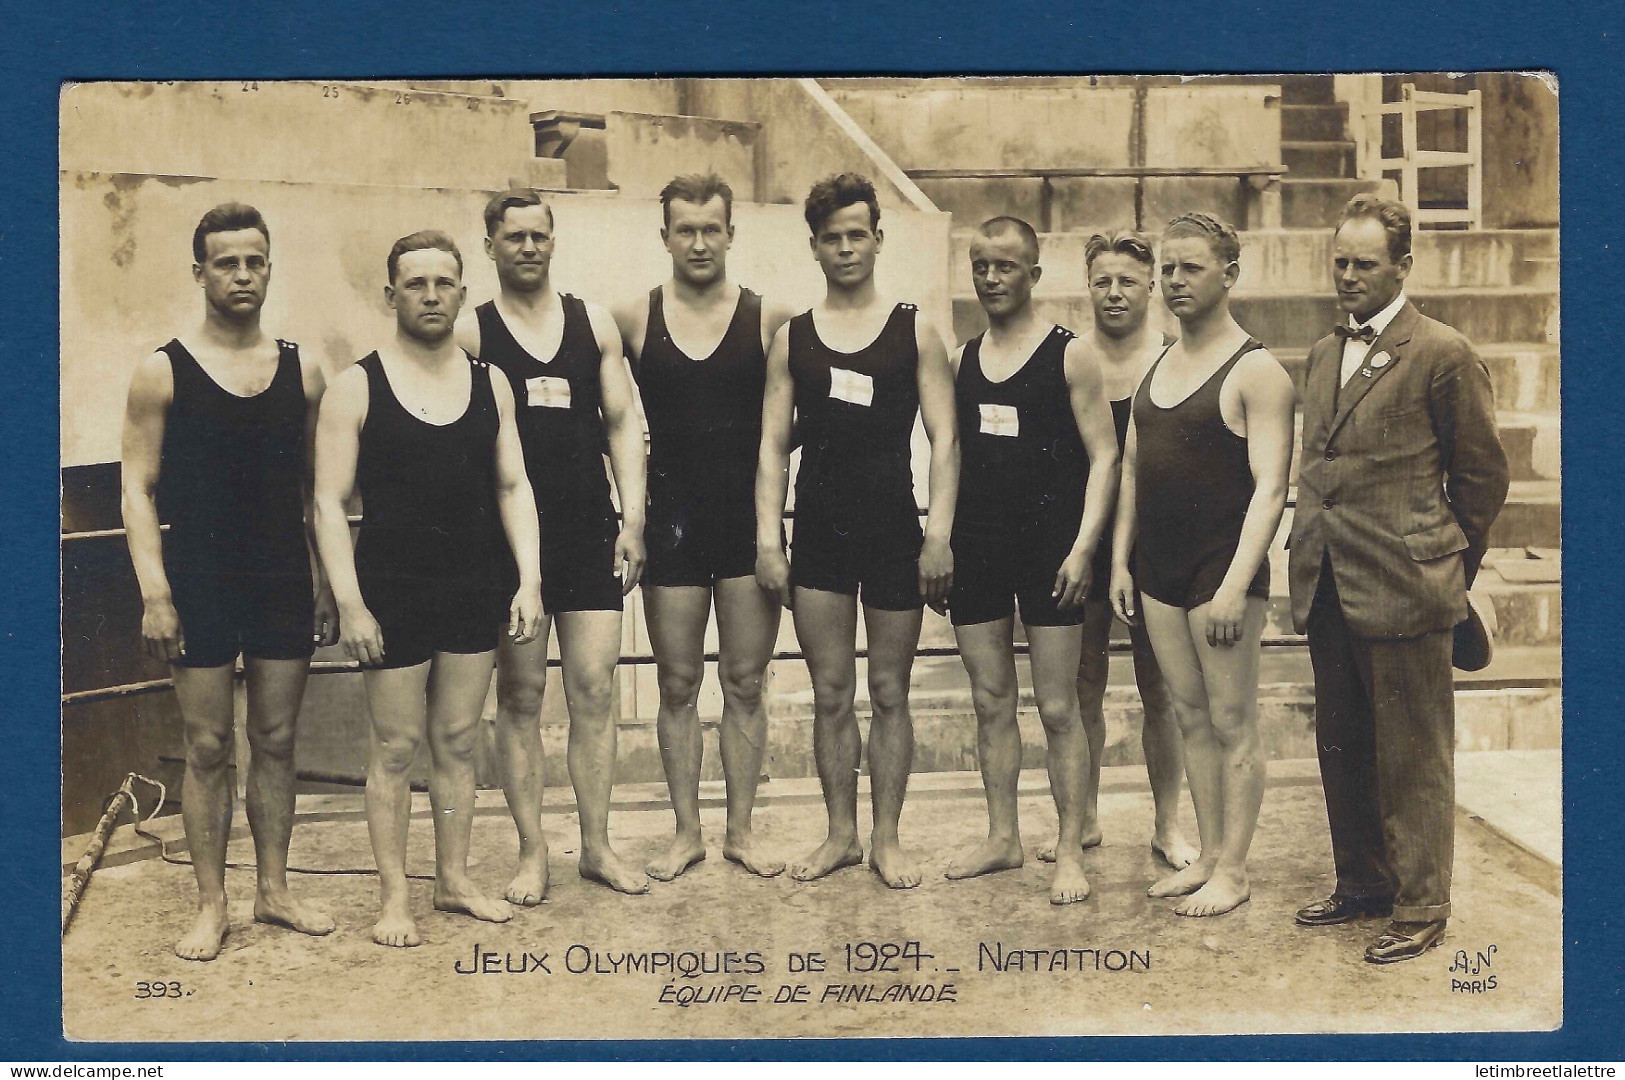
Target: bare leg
[
  {"x": 827, "y": 627},
  {"x": 395, "y": 701},
  {"x": 275, "y": 688},
  {"x": 1054, "y": 652},
  {"x": 1164, "y": 760},
  {"x": 458, "y": 683},
  {"x": 1093, "y": 669},
  {"x": 893, "y": 637},
  {"x": 676, "y": 617},
  {"x": 1170, "y": 633},
  {"x": 990, "y": 662},
  {"x": 206, "y": 713},
  {"x": 521, "y": 681},
  {"x": 748, "y": 627},
  {"x": 589, "y": 645},
  {"x": 1231, "y": 676}
]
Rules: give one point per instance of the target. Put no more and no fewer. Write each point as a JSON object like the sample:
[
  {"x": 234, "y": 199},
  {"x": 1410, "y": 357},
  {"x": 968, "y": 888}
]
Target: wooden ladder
[{"x": 1413, "y": 158}]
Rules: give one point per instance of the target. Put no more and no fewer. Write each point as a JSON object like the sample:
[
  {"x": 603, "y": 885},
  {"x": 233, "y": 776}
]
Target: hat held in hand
[{"x": 1474, "y": 643}]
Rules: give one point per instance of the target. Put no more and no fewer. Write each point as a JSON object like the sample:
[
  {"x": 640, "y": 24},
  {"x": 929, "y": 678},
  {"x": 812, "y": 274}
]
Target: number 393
[{"x": 147, "y": 990}]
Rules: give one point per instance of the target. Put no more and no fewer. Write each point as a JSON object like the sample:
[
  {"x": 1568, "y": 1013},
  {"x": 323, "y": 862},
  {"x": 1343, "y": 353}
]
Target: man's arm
[
  {"x": 773, "y": 470},
  {"x": 338, "y": 443},
  {"x": 1267, "y": 400},
  {"x": 774, "y": 316},
  {"x": 146, "y": 410},
  {"x": 1124, "y": 531},
  {"x": 1462, "y": 402},
  {"x": 632, "y": 322},
  {"x": 623, "y": 418},
  {"x": 326, "y": 628},
  {"x": 936, "y": 386},
  {"x": 516, "y": 503},
  {"x": 1094, "y": 419}
]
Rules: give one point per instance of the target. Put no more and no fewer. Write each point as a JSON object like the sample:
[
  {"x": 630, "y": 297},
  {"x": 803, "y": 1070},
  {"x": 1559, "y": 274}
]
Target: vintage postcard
[{"x": 427, "y": 596}]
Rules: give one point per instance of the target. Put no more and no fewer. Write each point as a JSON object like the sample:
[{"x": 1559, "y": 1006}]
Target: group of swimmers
[{"x": 1075, "y": 475}]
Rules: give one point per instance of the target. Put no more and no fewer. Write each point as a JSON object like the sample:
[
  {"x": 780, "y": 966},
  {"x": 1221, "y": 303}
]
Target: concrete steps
[
  {"x": 1314, "y": 202},
  {"x": 1326, "y": 159},
  {"x": 1299, "y": 260},
  {"x": 1316, "y": 122}
]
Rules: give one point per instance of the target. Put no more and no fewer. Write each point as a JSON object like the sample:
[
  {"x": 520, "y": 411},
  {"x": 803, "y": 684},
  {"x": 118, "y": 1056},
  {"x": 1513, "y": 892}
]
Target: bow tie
[{"x": 1366, "y": 333}]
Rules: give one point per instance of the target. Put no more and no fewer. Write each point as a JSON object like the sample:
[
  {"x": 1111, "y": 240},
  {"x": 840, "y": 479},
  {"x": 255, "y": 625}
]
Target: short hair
[
  {"x": 501, "y": 203},
  {"x": 1004, "y": 223},
  {"x": 836, "y": 193},
  {"x": 1220, "y": 236},
  {"x": 227, "y": 217},
  {"x": 1392, "y": 215},
  {"x": 1119, "y": 242},
  {"x": 425, "y": 240},
  {"x": 699, "y": 189}
]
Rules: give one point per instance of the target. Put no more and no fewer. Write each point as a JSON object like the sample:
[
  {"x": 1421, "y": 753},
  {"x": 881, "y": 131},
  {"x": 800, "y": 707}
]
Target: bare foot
[
  {"x": 465, "y": 899},
  {"x": 1173, "y": 849},
  {"x": 745, "y": 852},
  {"x": 280, "y": 909},
  {"x": 1182, "y": 883},
  {"x": 826, "y": 858},
  {"x": 1069, "y": 885},
  {"x": 990, "y": 857},
  {"x": 1091, "y": 838},
  {"x": 207, "y": 936},
  {"x": 395, "y": 927},
  {"x": 529, "y": 885},
  {"x": 606, "y": 868},
  {"x": 684, "y": 852},
  {"x": 1222, "y": 893},
  {"x": 897, "y": 869}
]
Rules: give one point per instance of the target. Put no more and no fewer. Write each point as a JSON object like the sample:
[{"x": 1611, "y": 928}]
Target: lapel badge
[{"x": 1381, "y": 360}]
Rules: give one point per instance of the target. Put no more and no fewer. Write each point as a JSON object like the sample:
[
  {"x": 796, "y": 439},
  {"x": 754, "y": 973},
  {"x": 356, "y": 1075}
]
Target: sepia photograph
[{"x": 849, "y": 557}]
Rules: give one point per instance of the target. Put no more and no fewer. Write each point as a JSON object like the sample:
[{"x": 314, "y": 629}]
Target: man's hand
[
  {"x": 161, "y": 634},
  {"x": 773, "y": 574},
  {"x": 1072, "y": 580},
  {"x": 1225, "y": 613},
  {"x": 936, "y": 573},
  {"x": 361, "y": 635},
  {"x": 525, "y": 614},
  {"x": 630, "y": 556},
  {"x": 326, "y": 628},
  {"x": 1122, "y": 595}
]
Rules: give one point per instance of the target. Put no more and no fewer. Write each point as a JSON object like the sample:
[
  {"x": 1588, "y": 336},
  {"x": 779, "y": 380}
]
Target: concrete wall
[
  {"x": 644, "y": 151},
  {"x": 598, "y": 95},
  {"x": 806, "y": 136},
  {"x": 1520, "y": 151},
  {"x": 937, "y": 125},
  {"x": 127, "y": 285},
  {"x": 309, "y": 132}
]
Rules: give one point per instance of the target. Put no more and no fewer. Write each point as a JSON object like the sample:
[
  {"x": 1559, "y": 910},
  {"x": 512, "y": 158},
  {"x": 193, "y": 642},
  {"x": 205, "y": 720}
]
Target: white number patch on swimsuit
[
  {"x": 547, "y": 392},
  {"x": 851, "y": 386},
  {"x": 1000, "y": 420}
]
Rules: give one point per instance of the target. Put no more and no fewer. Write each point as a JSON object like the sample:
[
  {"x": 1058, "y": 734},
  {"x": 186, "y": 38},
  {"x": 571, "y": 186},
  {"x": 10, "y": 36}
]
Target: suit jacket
[{"x": 1401, "y": 477}]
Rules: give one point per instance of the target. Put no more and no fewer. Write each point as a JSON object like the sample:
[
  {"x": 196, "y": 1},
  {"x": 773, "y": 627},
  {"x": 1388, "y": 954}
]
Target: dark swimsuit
[
  {"x": 705, "y": 430},
  {"x": 562, "y": 433},
  {"x": 230, "y": 485},
  {"x": 1023, "y": 471},
  {"x": 856, "y": 524},
  {"x": 431, "y": 556},
  {"x": 1193, "y": 483}
]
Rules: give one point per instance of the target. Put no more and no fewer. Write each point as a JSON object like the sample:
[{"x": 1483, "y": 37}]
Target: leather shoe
[
  {"x": 1342, "y": 909},
  {"x": 1404, "y": 941}
]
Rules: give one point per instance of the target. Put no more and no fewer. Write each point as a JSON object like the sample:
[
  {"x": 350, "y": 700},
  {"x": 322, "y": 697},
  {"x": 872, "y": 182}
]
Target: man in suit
[{"x": 1402, "y": 475}]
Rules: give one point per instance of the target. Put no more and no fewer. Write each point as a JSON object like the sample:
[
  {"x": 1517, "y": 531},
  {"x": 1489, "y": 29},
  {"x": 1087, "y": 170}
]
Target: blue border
[{"x": 100, "y": 40}]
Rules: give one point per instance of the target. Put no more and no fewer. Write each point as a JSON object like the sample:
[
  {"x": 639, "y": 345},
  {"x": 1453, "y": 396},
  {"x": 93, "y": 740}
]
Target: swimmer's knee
[
  {"x": 208, "y": 749},
  {"x": 742, "y": 685},
  {"x": 680, "y": 685},
  {"x": 519, "y": 694},
  {"x": 394, "y": 753},
  {"x": 888, "y": 693},
  {"x": 994, "y": 703},
  {"x": 272, "y": 740},
  {"x": 1057, "y": 712}
]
